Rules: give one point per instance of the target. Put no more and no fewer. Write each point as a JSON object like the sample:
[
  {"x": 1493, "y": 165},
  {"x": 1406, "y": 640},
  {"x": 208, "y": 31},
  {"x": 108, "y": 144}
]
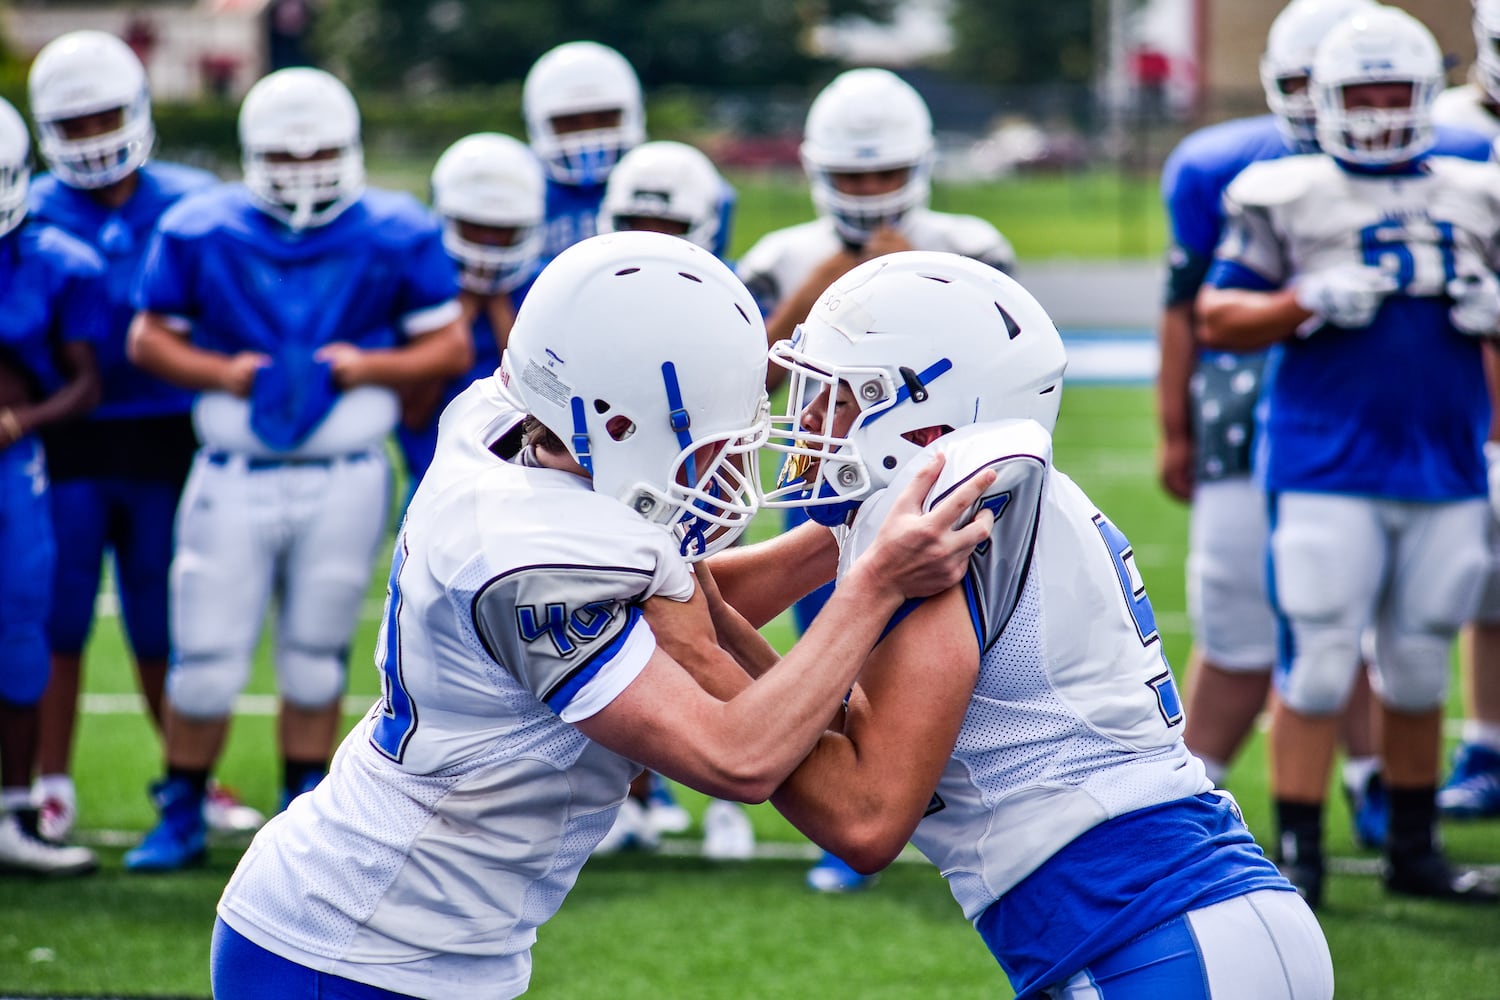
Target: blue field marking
[{"x": 1116, "y": 357}]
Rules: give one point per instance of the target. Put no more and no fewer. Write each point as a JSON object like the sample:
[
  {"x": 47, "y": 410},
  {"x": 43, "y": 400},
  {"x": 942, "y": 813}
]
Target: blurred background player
[
  {"x": 1371, "y": 269},
  {"x": 1039, "y": 760},
  {"x": 53, "y": 315},
  {"x": 293, "y": 304},
  {"x": 867, "y": 150},
  {"x": 672, "y": 188},
  {"x": 116, "y": 475},
  {"x": 1206, "y": 402},
  {"x": 1473, "y": 787},
  {"x": 583, "y": 108},
  {"x": 488, "y": 190}
]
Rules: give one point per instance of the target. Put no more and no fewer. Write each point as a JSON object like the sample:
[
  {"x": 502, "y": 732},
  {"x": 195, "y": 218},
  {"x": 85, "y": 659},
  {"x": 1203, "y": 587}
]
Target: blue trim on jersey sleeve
[
  {"x": 1452, "y": 140},
  {"x": 1117, "y": 881},
  {"x": 562, "y": 695},
  {"x": 1230, "y": 274}
]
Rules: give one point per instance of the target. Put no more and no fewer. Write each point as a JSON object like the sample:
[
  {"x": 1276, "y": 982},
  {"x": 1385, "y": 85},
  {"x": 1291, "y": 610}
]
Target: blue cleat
[
  {"x": 308, "y": 784},
  {"x": 1370, "y": 812},
  {"x": 179, "y": 839},
  {"x": 1473, "y": 789},
  {"x": 831, "y": 874}
]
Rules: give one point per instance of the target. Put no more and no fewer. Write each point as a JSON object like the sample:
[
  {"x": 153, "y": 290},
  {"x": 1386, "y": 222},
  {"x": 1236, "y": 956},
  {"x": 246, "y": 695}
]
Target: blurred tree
[
  {"x": 1021, "y": 41},
  {"x": 705, "y": 43}
]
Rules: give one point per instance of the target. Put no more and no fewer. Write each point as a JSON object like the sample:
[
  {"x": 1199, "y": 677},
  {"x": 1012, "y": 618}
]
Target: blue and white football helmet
[
  {"x": 574, "y": 78},
  {"x": 671, "y": 181},
  {"x": 867, "y": 120},
  {"x": 15, "y": 167},
  {"x": 83, "y": 73},
  {"x": 1383, "y": 45},
  {"x": 490, "y": 180},
  {"x": 1290, "y": 47},
  {"x": 300, "y": 146},
  {"x": 645, "y": 355},
  {"x": 1487, "y": 46},
  {"x": 923, "y": 339}
]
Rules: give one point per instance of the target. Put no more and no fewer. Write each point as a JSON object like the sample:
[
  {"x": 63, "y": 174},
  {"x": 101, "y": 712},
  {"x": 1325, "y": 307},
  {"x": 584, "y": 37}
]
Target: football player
[
  {"x": 117, "y": 475},
  {"x": 1039, "y": 763},
  {"x": 1473, "y": 786},
  {"x": 867, "y": 150},
  {"x": 583, "y": 108},
  {"x": 522, "y": 683},
  {"x": 1370, "y": 268},
  {"x": 488, "y": 190},
  {"x": 672, "y": 188},
  {"x": 293, "y": 304},
  {"x": 1206, "y": 402},
  {"x": 52, "y": 319}
]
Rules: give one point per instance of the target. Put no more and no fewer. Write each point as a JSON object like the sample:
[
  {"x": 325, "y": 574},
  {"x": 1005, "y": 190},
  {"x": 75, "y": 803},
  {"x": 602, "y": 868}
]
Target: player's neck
[
  {"x": 559, "y": 462},
  {"x": 113, "y": 196}
]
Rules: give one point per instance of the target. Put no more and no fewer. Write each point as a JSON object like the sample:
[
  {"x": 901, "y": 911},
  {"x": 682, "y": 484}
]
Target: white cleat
[
  {"x": 20, "y": 851},
  {"x": 223, "y": 812},
  {"x": 727, "y": 832},
  {"x": 56, "y": 817}
]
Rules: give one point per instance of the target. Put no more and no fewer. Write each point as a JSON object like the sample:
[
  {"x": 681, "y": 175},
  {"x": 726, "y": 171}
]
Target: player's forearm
[
  {"x": 74, "y": 398},
  {"x": 1236, "y": 319},
  {"x": 761, "y": 581},
  {"x": 794, "y": 308},
  {"x": 168, "y": 354},
  {"x": 1178, "y": 358},
  {"x": 441, "y": 354}
]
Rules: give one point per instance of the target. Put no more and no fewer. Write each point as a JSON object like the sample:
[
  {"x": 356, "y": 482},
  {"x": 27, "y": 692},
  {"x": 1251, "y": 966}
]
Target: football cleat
[
  {"x": 831, "y": 874},
  {"x": 663, "y": 811},
  {"x": 223, "y": 811},
  {"x": 1431, "y": 877},
  {"x": 179, "y": 839},
  {"x": 1369, "y": 812},
  {"x": 1473, "y": 789},
  {"x": 727, "y": 833},
  {"x": 21, "y": 850},
  {"x": 57, "y": 809}
]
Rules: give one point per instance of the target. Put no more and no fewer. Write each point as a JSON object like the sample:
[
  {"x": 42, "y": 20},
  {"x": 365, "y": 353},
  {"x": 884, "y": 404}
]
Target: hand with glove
[
  {"x": 1476, "y": 303},
  {"x": 1348, "y": 296}
]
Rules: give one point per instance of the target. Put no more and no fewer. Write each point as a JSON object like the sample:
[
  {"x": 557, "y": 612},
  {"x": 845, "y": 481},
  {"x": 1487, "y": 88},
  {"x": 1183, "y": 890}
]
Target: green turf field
[{"x": 675, "y": 926}]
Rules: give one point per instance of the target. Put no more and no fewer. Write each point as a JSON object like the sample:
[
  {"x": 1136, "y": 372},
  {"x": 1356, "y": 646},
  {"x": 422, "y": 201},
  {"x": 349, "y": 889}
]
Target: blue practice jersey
[
  {"x": 120, "y": 236},
  {"x": 1397, "y": 409},
  {"x": 573, "y": 216},
  {"x": 51, "y": 285},
  {"x": 248, "y": 283}
]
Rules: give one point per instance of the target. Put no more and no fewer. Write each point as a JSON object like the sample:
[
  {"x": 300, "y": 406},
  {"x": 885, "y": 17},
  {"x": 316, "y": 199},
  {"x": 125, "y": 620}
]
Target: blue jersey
[
  {"x": 248, "y": 283},
  {"x": 51, "y": 285},
  {"x": 1397, "y": 409},
  {"x": 120, "y": 236}
]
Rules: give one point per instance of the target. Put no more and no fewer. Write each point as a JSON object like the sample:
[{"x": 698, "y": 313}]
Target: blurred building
[{"x": 191, "y": 48}]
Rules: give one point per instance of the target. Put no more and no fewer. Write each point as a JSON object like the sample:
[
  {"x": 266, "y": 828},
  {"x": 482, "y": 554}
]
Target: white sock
[
  {"x": 1486, "y": 734},
  {"x": 12, "y": 799},
  {"x": 1357, "y": 771},
  {"x": 1214, "y": 769},
  {"x": 56, "y": 786}
]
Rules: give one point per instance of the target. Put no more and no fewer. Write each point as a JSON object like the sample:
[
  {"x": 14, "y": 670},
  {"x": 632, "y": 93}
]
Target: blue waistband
[{"x": 260, "y": 464}]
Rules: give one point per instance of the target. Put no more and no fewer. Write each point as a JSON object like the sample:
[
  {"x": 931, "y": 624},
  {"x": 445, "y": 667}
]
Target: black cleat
[
  {"x": 1307, "y": 878},
  {"x": 1431, "y": 877}
]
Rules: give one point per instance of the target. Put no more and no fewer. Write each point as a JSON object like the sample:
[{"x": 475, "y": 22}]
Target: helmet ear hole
[{"x": 619, "y": 427}]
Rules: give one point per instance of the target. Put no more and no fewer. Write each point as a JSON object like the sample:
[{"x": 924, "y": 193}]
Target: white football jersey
[
  {"x": 1463, "y": 107},
  {"x": 1075, "y": 718},
  {"x": 780, "y": 261},
  {"x": 458, "y": 813},
  {"x": 1302, "y": 214}
]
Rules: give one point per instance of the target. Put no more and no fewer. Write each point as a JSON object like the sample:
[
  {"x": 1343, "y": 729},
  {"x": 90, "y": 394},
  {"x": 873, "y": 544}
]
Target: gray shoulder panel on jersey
[
  {"x": 1269, "y": 183},
  {"x": 553, "y": 627}
]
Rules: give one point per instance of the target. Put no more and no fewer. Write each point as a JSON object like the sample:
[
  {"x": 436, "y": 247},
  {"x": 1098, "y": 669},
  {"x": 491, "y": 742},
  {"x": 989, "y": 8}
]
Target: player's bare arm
[
  {"x": 1238, "y": 319},
  {"x": 440, "y": 353},
  {"x": 761, "y": 581},
  {"x": 161, "y": 346},
  {"x": 744, "y": 747},
  {"x": 862, "y": 791},
  {"x": 76, "y": 396},
  {"x": 1173, "y": 400}
]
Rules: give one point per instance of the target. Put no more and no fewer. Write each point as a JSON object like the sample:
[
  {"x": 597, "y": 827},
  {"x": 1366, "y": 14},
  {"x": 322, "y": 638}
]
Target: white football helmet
[
  {"x": 573, "y": 78},
  {"x": 300, "y": 112},
  {"x": 664, "y": 180},
  {"x": 492, "y": 180},
  {"x": 923, "y": 339},
  {"x": 83, "y": 73},
  {"x": 1384, "y": 45},
  {"x": 867, "y": 119},
  {"x": 1290, "y": 48},
  {"x": 645, "y": 355},
  {"x": 15, "y": 167},
  {"x": 1487, "y": 46}
]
